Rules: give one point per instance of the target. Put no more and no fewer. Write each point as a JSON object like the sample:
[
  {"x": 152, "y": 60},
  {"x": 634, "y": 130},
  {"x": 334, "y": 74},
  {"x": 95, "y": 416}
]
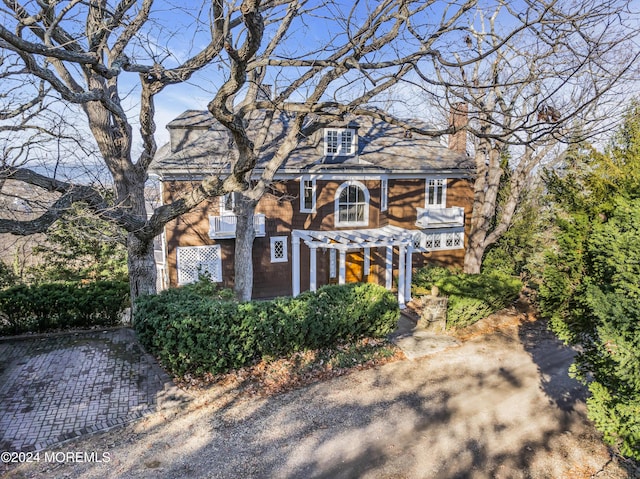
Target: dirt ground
[{"x": 499, "y": 406}]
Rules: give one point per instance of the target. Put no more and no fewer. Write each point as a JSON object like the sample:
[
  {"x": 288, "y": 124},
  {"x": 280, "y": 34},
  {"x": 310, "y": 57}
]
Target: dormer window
[{"x": 339, "y": 141}]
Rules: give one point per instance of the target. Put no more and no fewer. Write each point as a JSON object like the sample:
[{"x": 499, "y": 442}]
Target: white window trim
[
  {"x": 340, "y": 131},
  {"x": 444, "y": 193},
  {"x": 313, "y": 194},
  {"x": 272, "y": 241},
  {"x": 336, "y": 202},
  {"x": 223, "y": 210},
  {"x": 197, "y": 251},
  {"x": 384, "y": 194}
]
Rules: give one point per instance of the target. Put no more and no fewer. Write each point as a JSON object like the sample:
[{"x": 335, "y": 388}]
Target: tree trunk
[
  {"x": 142, "y": 266},
  {"x": 473, "y": 255},
  {"x": 245, "y": 234}
]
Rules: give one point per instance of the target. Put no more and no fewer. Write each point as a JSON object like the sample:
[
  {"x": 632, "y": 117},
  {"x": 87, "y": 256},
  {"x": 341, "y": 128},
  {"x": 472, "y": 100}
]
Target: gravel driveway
[{"x": 499, "y": 406}]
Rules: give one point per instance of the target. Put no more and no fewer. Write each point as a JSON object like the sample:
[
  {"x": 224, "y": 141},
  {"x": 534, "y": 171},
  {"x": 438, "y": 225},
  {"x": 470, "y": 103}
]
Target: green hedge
[
  {"x": 472, "y": 297},
  {"x": 192, "y": 332},
  {"x": 49, "y": 306}
]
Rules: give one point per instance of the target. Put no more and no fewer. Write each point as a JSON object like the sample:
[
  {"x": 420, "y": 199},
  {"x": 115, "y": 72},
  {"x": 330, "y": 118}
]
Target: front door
[{"x": 354, "y": 267}]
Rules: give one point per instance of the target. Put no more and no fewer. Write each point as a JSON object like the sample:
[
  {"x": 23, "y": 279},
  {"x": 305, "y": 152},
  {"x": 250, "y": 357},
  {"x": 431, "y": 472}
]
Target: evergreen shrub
[
  {"x": 50, "y": 306},
  {"x": 192, "y": 332},
  {"x": 472, "y": 297}
]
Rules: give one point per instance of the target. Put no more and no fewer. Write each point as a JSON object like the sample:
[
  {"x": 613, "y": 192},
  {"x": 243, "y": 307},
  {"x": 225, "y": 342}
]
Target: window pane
[
  {"x": 353, "y": 193},
  {"x": 278, "y": 249},
  {"x": 431, "y": 192},
  {"x": 332, "y": 141},
  {"x": 352, "y": 213},
  {"x": 308, "y": 195},
  {"x": 347, "y": 137}
]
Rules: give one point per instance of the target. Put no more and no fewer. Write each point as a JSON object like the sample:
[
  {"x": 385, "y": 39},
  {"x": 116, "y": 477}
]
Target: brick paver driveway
[{"x": 59, "y": 387}]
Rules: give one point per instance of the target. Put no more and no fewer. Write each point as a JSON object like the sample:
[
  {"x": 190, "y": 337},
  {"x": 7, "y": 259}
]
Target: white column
[
  {"x": 401, "y": 275},
  {"x": 407, "y": 279},
  {"x": 342, "y": 269},
  {"x": 389, "y": 267},
  {"x": 312, "y": 267},
  {"x": 367, "y": 261},
  {"x": 295, "y": 265},
  {"x": 332, "y": 264}
]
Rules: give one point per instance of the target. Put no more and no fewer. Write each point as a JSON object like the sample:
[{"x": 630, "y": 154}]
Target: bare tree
[
  {"x": 89, "y": 55},
  {"x": 85, "y": 54},
  {"x": 365, "y": 52},
  {"x": 328, "y": 59},
  {"x": 568, "y": 70}
]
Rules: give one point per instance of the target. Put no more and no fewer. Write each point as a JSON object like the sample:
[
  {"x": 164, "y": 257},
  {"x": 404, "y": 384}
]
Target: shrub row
[
  {"x": 49, "y": 306},
  {"x": 194, "y": 333},
  {"x": 472, "y": 297}
]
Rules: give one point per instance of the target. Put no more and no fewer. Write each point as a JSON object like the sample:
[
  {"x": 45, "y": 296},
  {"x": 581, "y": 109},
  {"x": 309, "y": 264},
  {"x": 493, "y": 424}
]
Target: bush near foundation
[
  {"x": 51, "y": 306},
  {"x": 192, "y": 332},
  {"x": 472, "y": 297}
]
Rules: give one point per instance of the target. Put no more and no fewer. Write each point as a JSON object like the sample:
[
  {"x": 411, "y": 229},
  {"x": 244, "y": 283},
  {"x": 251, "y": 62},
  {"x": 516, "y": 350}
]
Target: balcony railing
[
  {"x": 225, "y": 226},
  {"x": 440, "y": 217}
]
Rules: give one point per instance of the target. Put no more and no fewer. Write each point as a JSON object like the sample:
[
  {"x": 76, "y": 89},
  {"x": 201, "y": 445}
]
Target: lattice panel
[
  {"x": 196, "y": 261},
  {"x": 440, "y": 241},
  {"x": 278, "y": 249}
]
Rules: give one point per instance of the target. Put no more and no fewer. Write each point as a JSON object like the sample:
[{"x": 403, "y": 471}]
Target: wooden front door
[{"x": 354, "y": 267}]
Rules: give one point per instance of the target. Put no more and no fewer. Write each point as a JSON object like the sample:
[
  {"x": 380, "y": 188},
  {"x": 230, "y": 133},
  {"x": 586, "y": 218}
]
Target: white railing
[
  {"x": 225, "y": 226},
  {"x": 440, "y": 217}
]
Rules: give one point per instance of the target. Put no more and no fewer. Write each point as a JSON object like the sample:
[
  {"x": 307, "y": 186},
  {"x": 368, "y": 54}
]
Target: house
[{"x": 360, "y": 200}]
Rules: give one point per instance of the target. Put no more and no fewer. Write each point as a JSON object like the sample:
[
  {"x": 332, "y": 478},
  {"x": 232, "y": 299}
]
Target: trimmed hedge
[
  {"x": 472, "y": 297},
  {"x": 191, "y": 332},
  {"x": 50, "y": 306}
]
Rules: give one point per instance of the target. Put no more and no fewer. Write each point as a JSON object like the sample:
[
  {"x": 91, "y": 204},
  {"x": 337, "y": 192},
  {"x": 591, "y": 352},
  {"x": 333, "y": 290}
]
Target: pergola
[{"x": 344, "y": 241}]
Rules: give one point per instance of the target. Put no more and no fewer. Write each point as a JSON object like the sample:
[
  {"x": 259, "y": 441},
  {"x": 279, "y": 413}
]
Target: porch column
[
  {"x": 401, "y": 275},
  {"x": 367, "y": 262},
  {"x": 295, "y": 265},
  {"x": 342, "y": 269},
  {"x": 389, "y": 267},
  {"x": 312, "y": 267},
  {"x": 407, "y": 280}
]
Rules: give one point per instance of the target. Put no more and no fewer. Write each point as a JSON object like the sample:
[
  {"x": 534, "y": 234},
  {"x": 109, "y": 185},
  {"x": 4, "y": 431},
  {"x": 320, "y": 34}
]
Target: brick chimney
[{"x": 458, "y": 119}]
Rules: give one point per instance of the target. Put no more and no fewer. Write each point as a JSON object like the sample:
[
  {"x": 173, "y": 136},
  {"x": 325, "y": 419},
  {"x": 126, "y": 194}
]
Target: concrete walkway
[{"x": 59, "y": 387}]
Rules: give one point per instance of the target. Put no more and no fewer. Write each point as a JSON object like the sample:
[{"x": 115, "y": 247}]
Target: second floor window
[
  {"x": 227, "y": 202},
  {"x": 307, "y": 195},
  {"x": 339, "y": 142},
  {"x": 436, "y": 192},
  {"x": 352, "y": 204}
]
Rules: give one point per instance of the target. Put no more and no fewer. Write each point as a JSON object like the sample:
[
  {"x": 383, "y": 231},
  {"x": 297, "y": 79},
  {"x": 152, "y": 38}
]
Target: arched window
[{"x": 352, "y": 204}]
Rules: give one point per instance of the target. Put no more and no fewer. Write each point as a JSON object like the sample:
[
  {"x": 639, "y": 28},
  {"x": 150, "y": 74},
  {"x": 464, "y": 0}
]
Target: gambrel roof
[{"x": 200, "y": 145}]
